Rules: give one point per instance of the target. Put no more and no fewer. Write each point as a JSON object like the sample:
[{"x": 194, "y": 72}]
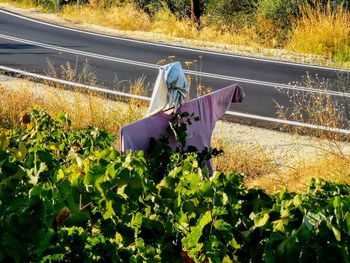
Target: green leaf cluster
[{"x": 68, "y": 196}]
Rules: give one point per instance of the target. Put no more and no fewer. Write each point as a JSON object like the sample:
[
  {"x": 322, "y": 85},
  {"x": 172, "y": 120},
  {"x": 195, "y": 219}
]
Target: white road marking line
[
  {"x": 173, "y": 46},
  {"x": 154, "y": 66},
  {"x": 270, "y": 84},
  {"x": 287, "y": 122},
  {"x": 123, "y": 94}
]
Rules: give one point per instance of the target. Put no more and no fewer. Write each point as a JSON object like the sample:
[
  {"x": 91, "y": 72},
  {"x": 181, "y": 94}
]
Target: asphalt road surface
[{"x": 28, "y": 45}]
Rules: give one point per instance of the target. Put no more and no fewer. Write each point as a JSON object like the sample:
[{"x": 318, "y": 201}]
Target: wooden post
[{"x": 195, "y": 11}]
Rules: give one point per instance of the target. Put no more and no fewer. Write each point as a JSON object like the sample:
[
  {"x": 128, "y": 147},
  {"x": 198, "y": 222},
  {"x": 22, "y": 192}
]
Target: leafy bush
[
  {"x": 331, "y": 3},
  {"x": 180, "y": 7},
  {"x": 274, "y": 18},
  {"x": 69, "y": 196},
  {"x": 230, "y": 12}
]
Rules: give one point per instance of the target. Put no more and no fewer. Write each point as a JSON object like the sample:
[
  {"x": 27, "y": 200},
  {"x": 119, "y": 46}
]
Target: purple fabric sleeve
[
  {"x": 220, "y": 102},
  {"x": 209, "y": 108}
]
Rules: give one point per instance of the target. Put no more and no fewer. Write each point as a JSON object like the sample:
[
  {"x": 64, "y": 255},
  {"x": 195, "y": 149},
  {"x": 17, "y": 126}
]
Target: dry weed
[
  {"x": 323, "y": 31},
  {"x": 318, "y": 108},
  {"x": 328, "y": 167},
  {"x": 86, "y": 74},
  {"x": 13, "y": 103},
  {"x": 85, "y": 108},
  {"x": 126, "y": 17},
  {"x": 250, "y": 159}
]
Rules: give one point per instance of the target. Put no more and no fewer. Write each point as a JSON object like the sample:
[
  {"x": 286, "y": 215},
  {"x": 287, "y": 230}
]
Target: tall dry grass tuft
[
  {"x": 165, "y": 22},
  {"x": 12, "y": 104},
  {"x": 328, "y": 167},
  {"x": 138, "y": 88},
  {"x": 322, "y": 31},
  {"x": 250, "y": 159},
  {"x": 85, "y": 74},
  {"x": 125, "y": 17},
  {"x": 318, "y": 108},
  {"x": 84, "y": 108}
]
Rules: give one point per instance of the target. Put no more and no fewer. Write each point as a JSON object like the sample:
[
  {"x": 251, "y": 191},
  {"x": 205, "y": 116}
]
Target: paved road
[{"x": 28, "y": 45}]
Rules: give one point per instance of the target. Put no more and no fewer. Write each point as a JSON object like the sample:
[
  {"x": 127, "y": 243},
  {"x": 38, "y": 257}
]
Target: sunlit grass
[
  {"x": 129, "y": 17},
  {"x": 84, "y": 108},
  {"x": 249, "y": 159},
  {"x": 330, "y": 167},
  {"x": 322, "y": 31},
  {"x": 126, "y": 17}
]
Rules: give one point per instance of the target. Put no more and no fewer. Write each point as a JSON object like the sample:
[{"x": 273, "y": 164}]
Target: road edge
[{"x": 174, "y": 42}]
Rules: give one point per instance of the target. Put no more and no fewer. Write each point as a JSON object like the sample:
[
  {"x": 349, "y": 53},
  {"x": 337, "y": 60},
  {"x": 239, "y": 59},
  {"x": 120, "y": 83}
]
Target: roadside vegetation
[{"x": 316, "y": 27}]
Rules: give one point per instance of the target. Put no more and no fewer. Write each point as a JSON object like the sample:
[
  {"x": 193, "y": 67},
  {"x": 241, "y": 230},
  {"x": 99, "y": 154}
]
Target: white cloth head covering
[{"x": 170, "y": 90}]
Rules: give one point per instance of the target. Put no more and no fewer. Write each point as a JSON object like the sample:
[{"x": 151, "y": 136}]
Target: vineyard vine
[{"x": 68, "y": 196}]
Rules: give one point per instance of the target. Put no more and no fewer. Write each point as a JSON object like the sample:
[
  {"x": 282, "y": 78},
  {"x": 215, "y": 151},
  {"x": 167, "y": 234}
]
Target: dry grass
[
  {"x": 165, "y": 22},
  {"x": 85, "y": 74},
  {"x": 250, "y": 159},
  {"x": 84, "y": 108},
  {"x": 127, "y": 17},
  {"x": 323, "y": 32},
  {"x": 319, "y": 108},
  {"x": 12, "y": 104},
  {"x": 330, "y": 167},
  {"x": 21, "y": 4},
  {"x": 266, "y": 169},
  {"x": 277, "y": 162},
  {"x": 333, "y": 159}
]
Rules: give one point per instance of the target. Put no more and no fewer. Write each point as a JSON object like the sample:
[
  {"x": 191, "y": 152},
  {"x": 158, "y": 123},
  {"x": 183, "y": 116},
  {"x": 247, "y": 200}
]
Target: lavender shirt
[{"x": 208, "y": 108}]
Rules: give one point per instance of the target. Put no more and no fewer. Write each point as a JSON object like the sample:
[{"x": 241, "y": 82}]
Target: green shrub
[
  {"x": 180, "y": 7},
  {"x": 333, "y": 3},
  {"x": 274, "y": 20},
  {"x": 280, "y": 11},
  {"x": 68, "y": 196},
  {"x": 228, "y": 12},
  {"x": 48, "y": 5}
]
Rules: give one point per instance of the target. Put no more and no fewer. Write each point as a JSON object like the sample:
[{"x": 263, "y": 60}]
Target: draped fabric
[
  {"x": 209, "y": 108},
  {"x": 170, "y": 90}
]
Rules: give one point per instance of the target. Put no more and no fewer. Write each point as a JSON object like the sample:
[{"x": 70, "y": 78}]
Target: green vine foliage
[{"x": 68, "y": 196}]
